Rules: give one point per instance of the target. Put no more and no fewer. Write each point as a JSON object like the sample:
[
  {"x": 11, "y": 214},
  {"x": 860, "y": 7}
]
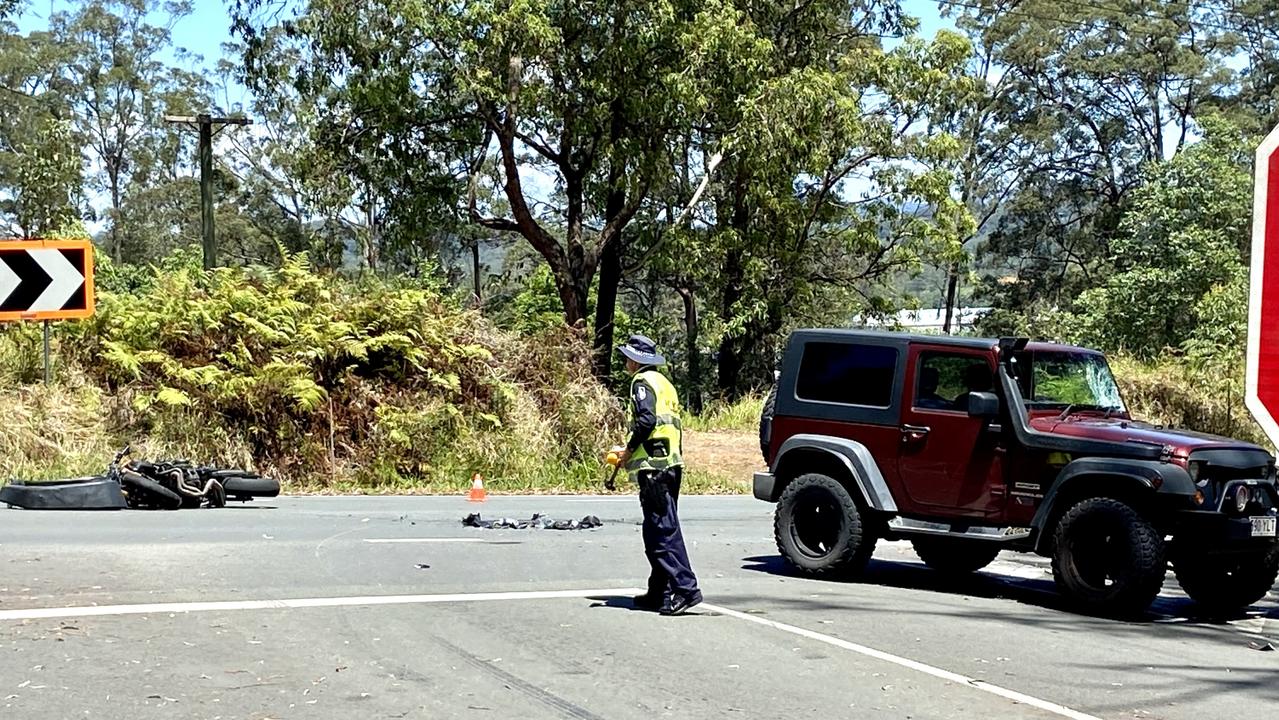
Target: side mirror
[{"x": 983, "y": 405}]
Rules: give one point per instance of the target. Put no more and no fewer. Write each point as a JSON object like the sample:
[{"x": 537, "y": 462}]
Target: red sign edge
[{"x": 1261, "y": 206}]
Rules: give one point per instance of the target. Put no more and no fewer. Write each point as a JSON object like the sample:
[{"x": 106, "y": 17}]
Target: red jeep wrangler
[{"x": 969, "y": 447}]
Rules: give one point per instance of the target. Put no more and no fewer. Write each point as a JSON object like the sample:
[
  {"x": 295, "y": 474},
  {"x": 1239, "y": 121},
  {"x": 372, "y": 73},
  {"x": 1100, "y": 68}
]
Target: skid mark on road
[
  {"x": 545, "y": 697},
  {"x": 936, "y": 672}
]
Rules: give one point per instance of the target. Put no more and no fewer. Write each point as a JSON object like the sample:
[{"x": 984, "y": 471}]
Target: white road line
[
  {"x": 908, "y": 663},
  {"x": 296, "y": 603},
  {"x": 393, "y": 541}
]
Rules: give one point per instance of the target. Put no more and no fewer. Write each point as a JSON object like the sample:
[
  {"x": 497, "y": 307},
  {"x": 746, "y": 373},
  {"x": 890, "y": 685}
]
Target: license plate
[{"x": 1263, "y": 527}]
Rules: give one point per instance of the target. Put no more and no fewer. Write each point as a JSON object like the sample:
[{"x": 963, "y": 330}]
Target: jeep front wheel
[
  {"x": 820, "y": 529},
  {"x": 1108, "y": 559},
  {"x": 1223, "y": 585},
  {"x": 955, "y": 557}
]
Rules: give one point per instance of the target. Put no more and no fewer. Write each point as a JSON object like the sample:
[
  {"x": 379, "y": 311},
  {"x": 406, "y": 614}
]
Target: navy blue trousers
[{"x": 663, "y": 539}]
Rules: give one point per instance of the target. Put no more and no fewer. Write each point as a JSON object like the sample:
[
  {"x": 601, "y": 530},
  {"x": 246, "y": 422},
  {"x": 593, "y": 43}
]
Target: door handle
[{"x": 914, "y": 433}]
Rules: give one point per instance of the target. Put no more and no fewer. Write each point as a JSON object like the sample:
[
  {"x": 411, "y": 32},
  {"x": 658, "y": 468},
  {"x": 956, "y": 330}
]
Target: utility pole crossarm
[
  {"x": 196, "y": 119},
  {"x": 205, "y": 123}
]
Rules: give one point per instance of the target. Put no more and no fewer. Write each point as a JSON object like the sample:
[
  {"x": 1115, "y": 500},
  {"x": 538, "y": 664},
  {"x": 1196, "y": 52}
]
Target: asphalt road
[{"x": 301, "y": 608}]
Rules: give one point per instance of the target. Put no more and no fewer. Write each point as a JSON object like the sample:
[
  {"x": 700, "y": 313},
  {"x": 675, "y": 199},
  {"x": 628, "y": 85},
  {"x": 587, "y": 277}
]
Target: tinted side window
[
  {"x": 944, "y": 380},
  {"x": 848, "y": 374}
]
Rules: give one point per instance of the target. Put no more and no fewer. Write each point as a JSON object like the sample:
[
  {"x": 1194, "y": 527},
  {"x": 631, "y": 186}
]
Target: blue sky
[
  {"x": 208, "y": 26},
  {"x": 203, "y": 32}
]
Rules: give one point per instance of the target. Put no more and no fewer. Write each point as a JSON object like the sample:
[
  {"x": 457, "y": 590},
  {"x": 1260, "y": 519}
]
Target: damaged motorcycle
[{"x": 161, "y": 485}]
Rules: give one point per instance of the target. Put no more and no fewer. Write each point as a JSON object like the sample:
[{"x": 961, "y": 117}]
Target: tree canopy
[{"x": 710, "y": 172}]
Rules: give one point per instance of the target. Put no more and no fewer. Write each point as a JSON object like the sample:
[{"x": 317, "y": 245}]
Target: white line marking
[
  {"x": 908, "y": 663},
  {"x": 296, "y": 603},
  {"x": 391, "y": 541}
]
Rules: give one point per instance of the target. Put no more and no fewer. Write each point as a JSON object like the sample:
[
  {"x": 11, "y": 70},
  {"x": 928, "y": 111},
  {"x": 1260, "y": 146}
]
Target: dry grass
[
  {"x": 1171, "y": 394},
  {"x": 723, "y": 461},
  {"x": 50, "y": 432}
]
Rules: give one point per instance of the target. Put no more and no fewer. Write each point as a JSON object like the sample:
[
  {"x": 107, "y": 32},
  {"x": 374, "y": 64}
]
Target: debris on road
[
  {"x": 537, "y": 522},
  {"x": 1263, "y": 647},
  {"x": 422, "y": 566}
]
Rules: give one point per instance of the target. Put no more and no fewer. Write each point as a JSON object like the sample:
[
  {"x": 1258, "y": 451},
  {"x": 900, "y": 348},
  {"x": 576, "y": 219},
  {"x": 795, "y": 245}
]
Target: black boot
[
  {"x": 680, "y": 604},
  {"x": 649, "y": 601}
]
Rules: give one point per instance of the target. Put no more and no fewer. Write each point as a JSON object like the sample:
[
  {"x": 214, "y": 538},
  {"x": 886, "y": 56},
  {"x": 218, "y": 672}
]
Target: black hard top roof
[{"x": 903, "y": 338}]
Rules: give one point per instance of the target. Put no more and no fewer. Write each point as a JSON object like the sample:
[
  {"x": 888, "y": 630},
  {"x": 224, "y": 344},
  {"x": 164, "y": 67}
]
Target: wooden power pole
[{"x": 204, "y": 124}]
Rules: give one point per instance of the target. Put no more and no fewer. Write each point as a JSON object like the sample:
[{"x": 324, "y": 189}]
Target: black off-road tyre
[
  {"x": 821, "y": 530},
  {"x": 247, "y": 487},
  {"x": 145, "y": 493},
  {"x": 766, "y": 423},
  {"x": 1226, "y": 585},
  {"x": 1107, "y": 558},
  {"x": 955, "y": 558}
]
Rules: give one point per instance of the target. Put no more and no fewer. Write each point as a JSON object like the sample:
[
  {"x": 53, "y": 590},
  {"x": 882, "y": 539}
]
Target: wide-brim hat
[{"x": 642, "y": 350}]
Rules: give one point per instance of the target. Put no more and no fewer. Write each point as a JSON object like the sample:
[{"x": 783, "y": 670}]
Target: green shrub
[
  {"x": 740, "y": 416},
  {"x": 322, "y": 381}
]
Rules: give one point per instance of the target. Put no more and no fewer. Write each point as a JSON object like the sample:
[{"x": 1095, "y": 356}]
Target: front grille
[{"x": 1221, "y": 470}]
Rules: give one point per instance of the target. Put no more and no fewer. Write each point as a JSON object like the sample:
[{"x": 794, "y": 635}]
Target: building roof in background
[{"x": 927, "y": 318}]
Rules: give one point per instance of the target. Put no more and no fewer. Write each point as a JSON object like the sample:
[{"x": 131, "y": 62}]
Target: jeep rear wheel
[
  {"x": 955, "y": 557},
  {"x": 820, "y": 529},
  {"x": 1108, "y": 559},
  {"x": 1222, "y": 585}
]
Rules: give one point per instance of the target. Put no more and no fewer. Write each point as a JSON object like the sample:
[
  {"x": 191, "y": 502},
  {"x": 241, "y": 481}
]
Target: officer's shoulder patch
[{"x": 640, "y": 392}]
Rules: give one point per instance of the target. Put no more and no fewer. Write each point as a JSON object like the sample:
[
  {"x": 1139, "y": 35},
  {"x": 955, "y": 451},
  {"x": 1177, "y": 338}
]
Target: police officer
[{"x": 653, "y": 459}]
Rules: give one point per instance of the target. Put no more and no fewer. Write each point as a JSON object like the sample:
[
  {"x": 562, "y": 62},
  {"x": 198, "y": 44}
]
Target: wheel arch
[
  {"x": 848, "y": 461},
  {"x": 1137, "y": 483}
]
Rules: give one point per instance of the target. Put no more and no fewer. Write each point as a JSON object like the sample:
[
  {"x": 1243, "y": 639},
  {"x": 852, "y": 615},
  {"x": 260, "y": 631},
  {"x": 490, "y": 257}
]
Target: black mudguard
[{"x": 84, "y": 494}]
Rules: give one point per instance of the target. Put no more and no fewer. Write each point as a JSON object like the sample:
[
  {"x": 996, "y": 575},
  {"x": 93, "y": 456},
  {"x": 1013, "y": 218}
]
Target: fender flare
[
  {"x": 1152, "y": 476},
  {"x": 856, "y": 459}
]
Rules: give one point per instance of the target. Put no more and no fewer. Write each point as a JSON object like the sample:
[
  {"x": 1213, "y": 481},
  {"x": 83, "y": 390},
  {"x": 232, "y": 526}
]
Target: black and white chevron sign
[{"x": 43, "y": 281}]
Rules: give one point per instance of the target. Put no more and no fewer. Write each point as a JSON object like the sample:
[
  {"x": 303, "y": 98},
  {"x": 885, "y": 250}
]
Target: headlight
[{"x": 1242, "y": 496}]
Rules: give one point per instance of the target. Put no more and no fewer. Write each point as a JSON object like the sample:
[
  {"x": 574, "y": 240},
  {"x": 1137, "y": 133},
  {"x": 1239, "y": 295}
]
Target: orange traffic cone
[{"x": 478, "y": 493}]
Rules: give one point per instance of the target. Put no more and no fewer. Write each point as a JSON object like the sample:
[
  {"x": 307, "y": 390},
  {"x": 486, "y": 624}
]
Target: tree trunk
[
  {"x": 610, "y": 258},
  {"x": 573, "y": 295},
  {"x": 730, "y": 360},
  {"x": 733, "y": 275},
  {"x": 475, "y": 272},
  {"x": 371, "y": 251},
  {"x": 693, "y": 389},
  {"x": 606, "y": 307},
  {"x": 952, "y": 286},
  {"x": 117, "y": 245}
]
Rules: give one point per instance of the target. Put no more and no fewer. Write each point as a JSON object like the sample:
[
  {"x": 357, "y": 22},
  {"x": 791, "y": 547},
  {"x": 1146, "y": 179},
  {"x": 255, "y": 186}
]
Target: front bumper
[
  {"x": 1216, "y": 530},
  {"x": 764, "y": 485}
]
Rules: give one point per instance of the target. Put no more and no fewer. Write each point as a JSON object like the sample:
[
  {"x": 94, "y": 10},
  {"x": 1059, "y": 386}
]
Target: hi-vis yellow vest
[{"x": 667, "y": 437}]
